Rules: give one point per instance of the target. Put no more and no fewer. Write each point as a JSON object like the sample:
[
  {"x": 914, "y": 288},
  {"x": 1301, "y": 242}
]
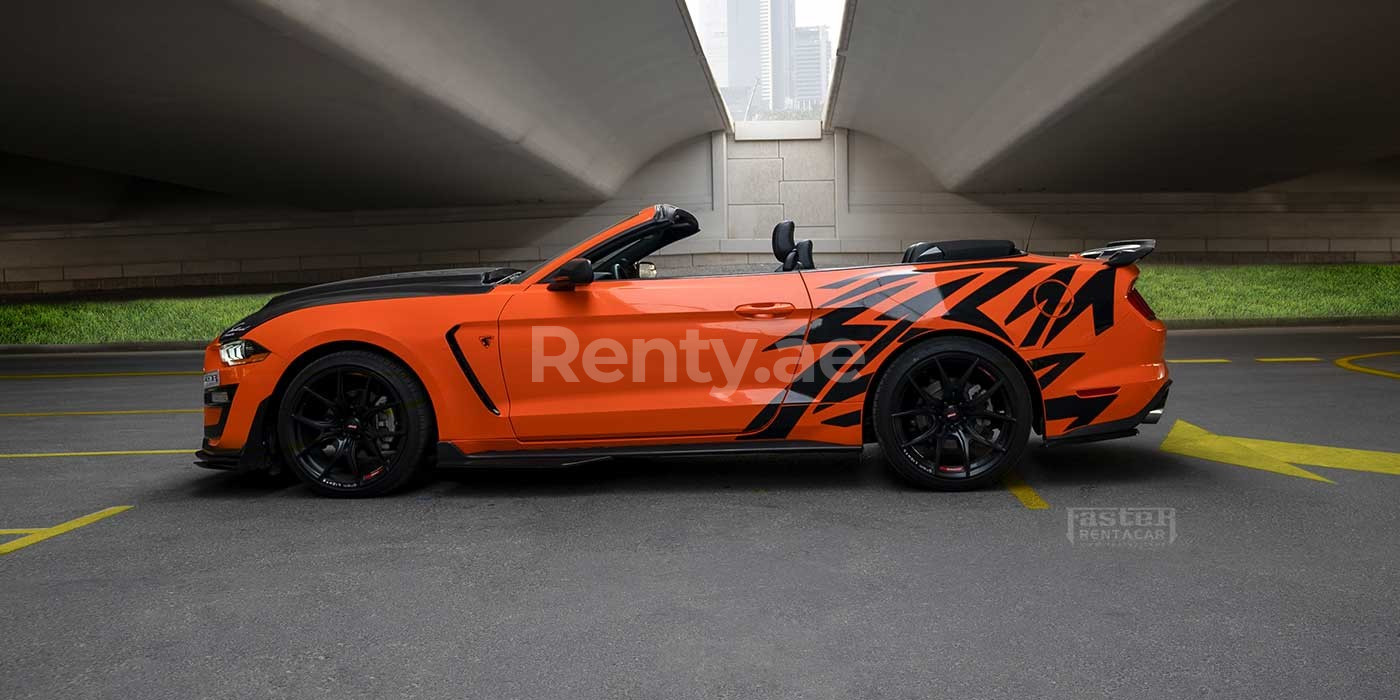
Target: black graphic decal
[
  {"x": 877, "y": 334},
  {"x": 924, "y": 302},
  {"x": 836, "y": 325},
  {"x": 765, "y": 415},
  {"x": 845, "y": 420},
  {"x": 1057, "y": 365},
  {"x": 1047, "y": 298},
  {"x": 847, "y": 388},
  {"x": 913, "y": 334},
  {"x": 782, "y": 425},
  {"x": 987, "y": 265},
  {"x": 1083, "y": 411},
  {"x": 1096, "y": 294},
  {"x": 850, "y": 280},
  {"x": 874, "y": 349},
  {"x": 871, "y": 286},
  {"x": 791, "y": 340},
  {"x": 968, "y": 310},
  {"x": 810, "y": 383}
]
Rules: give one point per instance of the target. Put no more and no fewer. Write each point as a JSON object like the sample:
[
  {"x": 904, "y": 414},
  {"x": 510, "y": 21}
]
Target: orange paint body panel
[
  {"x": 704, "y": 377},
  {"x": 785, "y": 356}
]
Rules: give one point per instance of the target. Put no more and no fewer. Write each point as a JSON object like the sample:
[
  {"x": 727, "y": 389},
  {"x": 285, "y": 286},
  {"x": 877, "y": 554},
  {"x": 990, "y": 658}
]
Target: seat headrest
[
  {"x": 803, "y": 251},
  {"x": 799, "y": 258},
  {"x": 783, "y": 241}
]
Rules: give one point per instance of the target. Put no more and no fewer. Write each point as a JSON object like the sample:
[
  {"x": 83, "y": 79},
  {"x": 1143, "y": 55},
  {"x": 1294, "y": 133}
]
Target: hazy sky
[
  {"x": 827, "y": 12},
  {"x": 809, "y": 12}
]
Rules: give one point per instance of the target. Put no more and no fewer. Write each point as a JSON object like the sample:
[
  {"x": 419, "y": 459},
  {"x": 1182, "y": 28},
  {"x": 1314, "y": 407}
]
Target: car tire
[
  {"x": 952, "y": 414},
  {"x": 354, "y": 424}
]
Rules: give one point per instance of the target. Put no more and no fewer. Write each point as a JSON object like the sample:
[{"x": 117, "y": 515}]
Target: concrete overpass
[
  {"x": 1124, "y": 96},
  {"x": 348, "y": 103},
  {"x": 161, "y": 143}
]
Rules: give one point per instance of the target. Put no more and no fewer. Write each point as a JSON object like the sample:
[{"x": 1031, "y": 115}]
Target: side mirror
[
  {"x": 571, "y": 274},
  {"x": 646, "y": 270}
]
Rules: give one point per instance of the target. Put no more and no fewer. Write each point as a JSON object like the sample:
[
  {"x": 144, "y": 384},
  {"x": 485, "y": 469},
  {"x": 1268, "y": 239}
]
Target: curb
[
  {"x": 162, "y": 346},
  {"x": 1214, "y": 323}
]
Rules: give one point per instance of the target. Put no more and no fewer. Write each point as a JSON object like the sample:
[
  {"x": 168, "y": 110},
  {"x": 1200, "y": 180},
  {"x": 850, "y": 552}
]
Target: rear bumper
[
  {"x": 1150, "y": 414},
  {"x": 1157, "y": 407}
]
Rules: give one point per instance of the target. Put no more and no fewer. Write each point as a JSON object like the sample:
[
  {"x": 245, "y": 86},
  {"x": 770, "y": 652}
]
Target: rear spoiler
[{"x": 1120, "y": 253}]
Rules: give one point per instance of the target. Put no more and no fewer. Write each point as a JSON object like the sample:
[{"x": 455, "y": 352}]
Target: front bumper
[
  {"x": 211, "y": 458},
  {"x": 254, "y": 455},
  {"x": 1150, "y": 414},
  {"x": 237, "y": 410}
]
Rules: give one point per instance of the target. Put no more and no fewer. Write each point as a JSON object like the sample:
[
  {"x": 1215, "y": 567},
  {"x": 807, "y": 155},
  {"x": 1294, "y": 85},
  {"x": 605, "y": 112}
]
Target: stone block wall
[
  {"x": 860, "y": 200},
  {"x": 1341, "y": 217}
]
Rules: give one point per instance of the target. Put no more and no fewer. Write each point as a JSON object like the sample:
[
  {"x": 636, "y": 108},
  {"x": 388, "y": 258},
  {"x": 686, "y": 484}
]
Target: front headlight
[{"x": 240, "y": 352}]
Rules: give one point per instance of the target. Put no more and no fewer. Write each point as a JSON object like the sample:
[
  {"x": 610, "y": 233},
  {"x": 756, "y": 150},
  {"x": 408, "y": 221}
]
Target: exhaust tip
[{"x": 1153, "y": 416}]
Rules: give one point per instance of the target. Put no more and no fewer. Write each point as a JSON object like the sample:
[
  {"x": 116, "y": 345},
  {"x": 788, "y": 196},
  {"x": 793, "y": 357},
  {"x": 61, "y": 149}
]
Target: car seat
[{"x": 794, "y": 255}]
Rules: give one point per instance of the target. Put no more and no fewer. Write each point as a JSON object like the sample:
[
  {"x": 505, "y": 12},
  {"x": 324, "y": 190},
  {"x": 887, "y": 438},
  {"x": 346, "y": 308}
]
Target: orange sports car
[{"x": 948, "y": 359}]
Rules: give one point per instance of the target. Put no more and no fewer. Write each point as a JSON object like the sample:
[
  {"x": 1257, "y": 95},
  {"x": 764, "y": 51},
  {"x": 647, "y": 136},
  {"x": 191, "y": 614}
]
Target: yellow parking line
[
  {"x": 1350, "y": 363},
  {"x": 131, "y": 412},
  {"x": 107, "y": 453},
  {"x": 1204, "y": 361},
  {"x": 1024, "y": 493},
  {"x": 1288, "y": 359},
  {"x": 21, "y": 531},
  {"x": 85, "y": 375},
  {"x": 37, "y": 536}
]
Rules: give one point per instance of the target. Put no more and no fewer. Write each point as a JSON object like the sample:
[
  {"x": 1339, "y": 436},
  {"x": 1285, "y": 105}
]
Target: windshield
[
  {"x": 521, "y": 274},
  {"x": 617, "y": 257}
]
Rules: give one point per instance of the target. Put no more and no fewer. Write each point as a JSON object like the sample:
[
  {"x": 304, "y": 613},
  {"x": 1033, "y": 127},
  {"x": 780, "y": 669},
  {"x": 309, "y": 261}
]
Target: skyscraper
[
  {"x": 711, "y": 18},
  {"x": 811, "y": 67},
  {"x": 782, "y": 30},
  {"x": 759, "y": 43},
  {"x": 744, "y": 65}
]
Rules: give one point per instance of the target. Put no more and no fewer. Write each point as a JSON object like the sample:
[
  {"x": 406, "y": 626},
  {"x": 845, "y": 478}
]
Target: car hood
[{"x": 467, "y": 280}]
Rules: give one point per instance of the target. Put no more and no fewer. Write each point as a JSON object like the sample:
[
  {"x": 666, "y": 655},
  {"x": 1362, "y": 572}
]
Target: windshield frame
[{"x": 649, "y": 231}]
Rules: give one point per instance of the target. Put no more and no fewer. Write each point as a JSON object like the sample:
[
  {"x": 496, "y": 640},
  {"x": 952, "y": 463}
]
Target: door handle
[{"x": 766, "y": 309}]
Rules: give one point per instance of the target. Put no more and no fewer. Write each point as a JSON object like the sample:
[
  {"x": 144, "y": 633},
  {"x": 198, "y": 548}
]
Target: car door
[{"x": 651, "y": 357}]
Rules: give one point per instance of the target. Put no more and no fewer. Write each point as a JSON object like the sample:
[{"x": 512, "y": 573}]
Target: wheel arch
[
  {"x": 1037, "y": 400},
  {"x": 319, "y": 351}
]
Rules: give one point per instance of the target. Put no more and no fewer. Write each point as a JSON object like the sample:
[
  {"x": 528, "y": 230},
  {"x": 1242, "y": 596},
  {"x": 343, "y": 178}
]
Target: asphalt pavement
[{"x": 1226, "y": 575}]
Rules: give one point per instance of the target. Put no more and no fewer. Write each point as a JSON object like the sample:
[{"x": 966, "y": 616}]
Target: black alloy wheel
[
  {"x": 354, "y": 424},
  {"x": 952, "y": 414}
]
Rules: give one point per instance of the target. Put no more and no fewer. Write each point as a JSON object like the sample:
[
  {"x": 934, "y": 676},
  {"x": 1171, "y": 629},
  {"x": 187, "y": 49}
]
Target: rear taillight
[{"x": 1140, "y": 304}]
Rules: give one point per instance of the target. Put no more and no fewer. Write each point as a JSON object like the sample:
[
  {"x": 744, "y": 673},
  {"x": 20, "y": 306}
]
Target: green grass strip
[
  {"x": 1176, "y": 292},
  {"x": 1219, "y": 292},
  {"x": 128, "y": 321}
]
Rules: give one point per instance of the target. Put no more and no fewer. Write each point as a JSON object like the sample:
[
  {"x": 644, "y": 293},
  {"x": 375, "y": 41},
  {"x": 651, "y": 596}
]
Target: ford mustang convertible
[{"x": 948, "y": 359}]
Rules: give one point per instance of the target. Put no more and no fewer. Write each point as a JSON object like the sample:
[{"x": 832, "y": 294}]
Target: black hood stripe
[{"x": 430, "y": 283}]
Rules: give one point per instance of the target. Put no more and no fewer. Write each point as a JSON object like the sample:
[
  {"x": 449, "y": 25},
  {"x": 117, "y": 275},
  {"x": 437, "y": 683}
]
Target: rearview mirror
[
  {"x": 571, "y": 274},
  {"x": 646, "y": 270}
]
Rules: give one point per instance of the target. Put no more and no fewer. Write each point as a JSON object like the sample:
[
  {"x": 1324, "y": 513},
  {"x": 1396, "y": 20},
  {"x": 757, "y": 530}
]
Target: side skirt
[{"x": 449, "y": 457}]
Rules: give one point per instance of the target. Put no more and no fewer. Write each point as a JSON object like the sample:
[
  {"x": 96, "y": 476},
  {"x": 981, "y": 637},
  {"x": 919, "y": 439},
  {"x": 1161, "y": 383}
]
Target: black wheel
[
  {"x": 354, "y": 424},
  {"x": 952, "y": 414}
]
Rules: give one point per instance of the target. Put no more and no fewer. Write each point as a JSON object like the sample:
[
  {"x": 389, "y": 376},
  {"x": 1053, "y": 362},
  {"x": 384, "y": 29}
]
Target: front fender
[{"x": 413, "y": 330}]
